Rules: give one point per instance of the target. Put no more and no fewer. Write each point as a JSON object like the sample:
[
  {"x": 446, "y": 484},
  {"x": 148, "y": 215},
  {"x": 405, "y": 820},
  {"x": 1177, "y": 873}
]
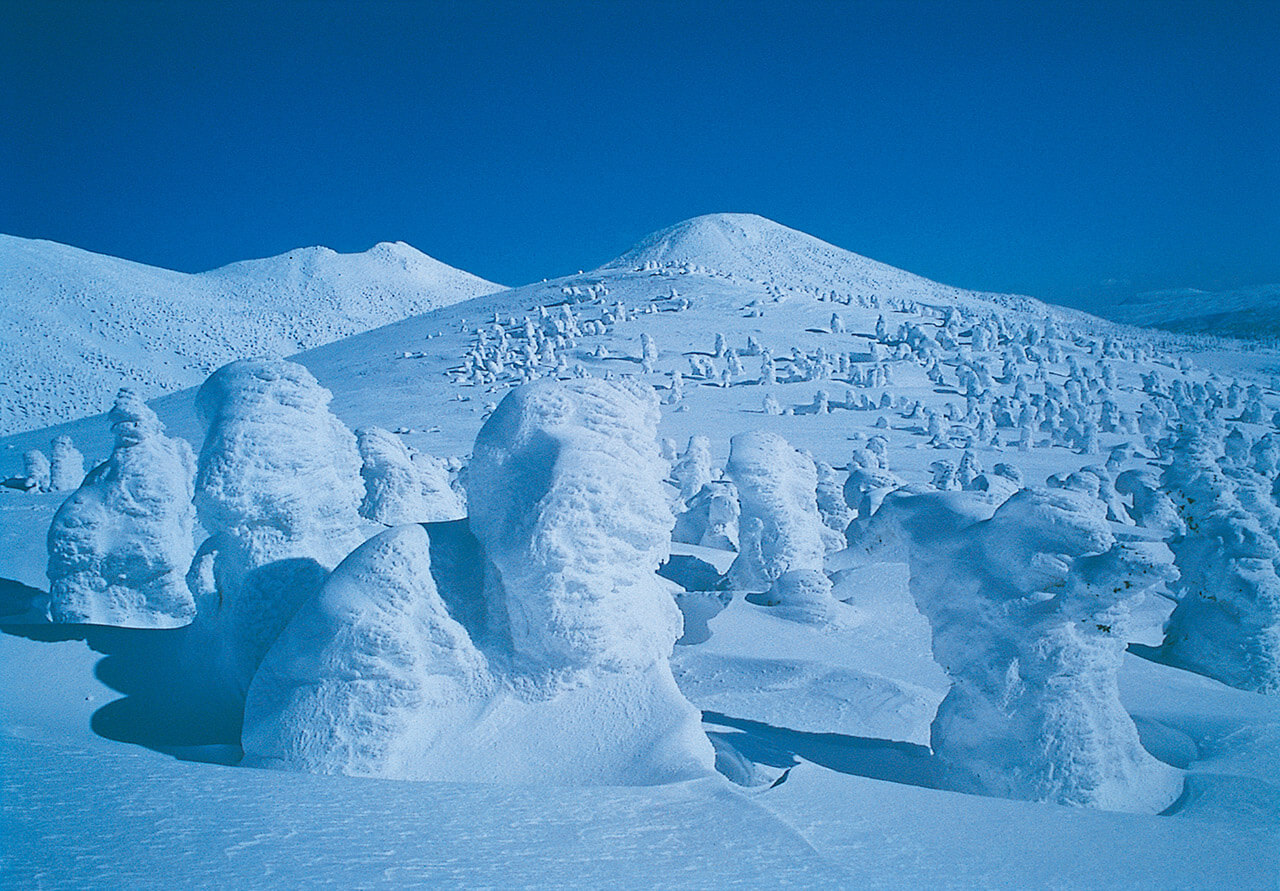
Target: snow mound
[
  {"x": 550, "y": 666},
  {"x": 278, "y": 491},
  {"x": 120, "y": 546},
  {"x": 103, "y": 322}
]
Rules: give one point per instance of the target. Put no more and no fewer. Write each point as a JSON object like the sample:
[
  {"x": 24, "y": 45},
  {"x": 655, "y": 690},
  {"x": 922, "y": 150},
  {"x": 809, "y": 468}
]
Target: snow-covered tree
[
  {"x": 120, "y": 546},
  {"x": 537, "y": 652},
  {"x": 693, "y": 470},
  {"x": 66, "y": 471},
  {"x": 1027, "y": 606},
  {"x": 777, "y": 486},
  {"x": 278, "y": 490},
  {"x": 1227, "y": 622},
  {"x": 400, "y": 489}
]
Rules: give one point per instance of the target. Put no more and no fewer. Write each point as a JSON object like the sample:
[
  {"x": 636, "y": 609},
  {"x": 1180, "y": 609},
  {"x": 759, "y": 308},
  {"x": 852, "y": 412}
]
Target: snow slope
[
  {"x": 108, "y": 781},
  {"x": 80, "y": 325}
]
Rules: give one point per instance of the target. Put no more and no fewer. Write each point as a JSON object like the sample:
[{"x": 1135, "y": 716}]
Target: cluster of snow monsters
[
  {"x": 530, "y": 647},
  {"x": 527, "y": 608}
]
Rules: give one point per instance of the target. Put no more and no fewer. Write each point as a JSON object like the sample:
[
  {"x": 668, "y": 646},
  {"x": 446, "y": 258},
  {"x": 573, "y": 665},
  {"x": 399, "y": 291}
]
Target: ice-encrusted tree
[
  {"x": 711, "y": 519},
  {"x": 36, "y": 470},
  {"x": 693, "y": 470},
  {"x": 778, "y": 486},
  {"x": 535, "y": 650},
  {"x": 278, "y": 490},
  {"x": 120, "y": 546},
  {"x": 401, "y": 487},
  {"x": 66, "y": 470},
  {"x": 1028, "y": 604},
  {"x": 1227, "y": 621}
]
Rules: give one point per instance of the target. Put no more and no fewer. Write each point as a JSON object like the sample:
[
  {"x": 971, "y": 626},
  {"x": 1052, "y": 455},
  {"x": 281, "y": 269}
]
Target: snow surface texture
[
  {"x": 102, "y": 322},
  {"x": 550, "y": 667},
  {"x": 1028, "y": 610},
  {"x": 401, "y": 486},
  {"x": 120, "y": 547},
  {"x": 278, "y": 491},
  {"x": 782, "y": 538}
]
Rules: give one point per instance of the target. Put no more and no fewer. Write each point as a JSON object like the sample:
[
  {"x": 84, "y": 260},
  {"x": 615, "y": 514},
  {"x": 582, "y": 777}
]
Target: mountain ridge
[{"x": 83, "y": 324}]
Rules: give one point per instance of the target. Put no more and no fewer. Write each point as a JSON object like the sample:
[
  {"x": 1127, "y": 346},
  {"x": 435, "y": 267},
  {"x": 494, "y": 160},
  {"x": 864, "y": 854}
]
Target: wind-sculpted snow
[
  {"x": 278, "y": 491},
  {"x": 102, "y": 323},
  {"x": 782, "y": 556},
  {"x": 536, "y": 651},
  {"x": 403, "y": 487},
  {"x": 120, "y": 546},
  {"x": 1028, "y": 609}
]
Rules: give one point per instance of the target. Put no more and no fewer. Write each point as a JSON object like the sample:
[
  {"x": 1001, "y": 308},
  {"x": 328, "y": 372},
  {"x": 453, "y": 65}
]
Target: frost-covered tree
[
  {"x": 693, "y": 470},
  {"x": 777, "y": 486},
  {"x": 402, "y": 667},
  {"x": 120, "y": 546},
  {"x": 1027, "y": 606},
  {"x": 66, "y": 470},
  {"x": 278, "y": 490},
  {"x": 832, "y": 506},
  {"x": 401, "y": 487},
  {"x": 1227, "y": 622},
  {"x": 711, "y": 519},
  {"x": 36, "y": 470}
]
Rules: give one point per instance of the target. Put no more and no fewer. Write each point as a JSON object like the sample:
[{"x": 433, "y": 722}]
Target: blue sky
[{"x": 1039, "y": 147}]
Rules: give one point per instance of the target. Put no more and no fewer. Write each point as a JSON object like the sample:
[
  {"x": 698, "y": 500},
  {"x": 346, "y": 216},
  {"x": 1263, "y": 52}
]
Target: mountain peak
[{"x": 749, "y": 246}]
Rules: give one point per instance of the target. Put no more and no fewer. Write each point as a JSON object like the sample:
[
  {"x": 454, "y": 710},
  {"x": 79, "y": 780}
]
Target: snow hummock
[
  {"x": 120, "y": 546},
  {"x": 550, "y": 667},
  {"x": 103, "y": 322}
]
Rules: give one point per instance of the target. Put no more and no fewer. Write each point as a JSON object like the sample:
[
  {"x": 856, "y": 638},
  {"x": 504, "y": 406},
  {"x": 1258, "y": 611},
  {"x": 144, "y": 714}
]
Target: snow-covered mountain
[
  {"x": 819, "y": 699},
  {"x": 79, "y": 325},
  {"x": 1246, "y": 313},
  {"x": 755, "y": 249}
]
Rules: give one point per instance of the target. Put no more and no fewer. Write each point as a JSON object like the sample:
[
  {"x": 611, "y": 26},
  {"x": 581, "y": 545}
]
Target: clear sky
[{"x": 1040, "y": 147}]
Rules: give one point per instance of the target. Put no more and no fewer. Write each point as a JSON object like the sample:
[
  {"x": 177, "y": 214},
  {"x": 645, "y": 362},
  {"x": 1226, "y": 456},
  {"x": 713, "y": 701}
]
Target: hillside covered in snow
[
  {"x": 80, "y": 325},
  {"x": 1246, "y": 313},
  {"x": 741, "y": 559}
]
